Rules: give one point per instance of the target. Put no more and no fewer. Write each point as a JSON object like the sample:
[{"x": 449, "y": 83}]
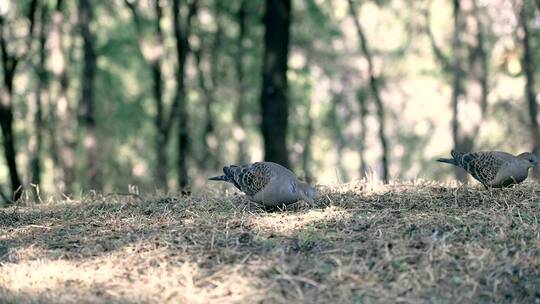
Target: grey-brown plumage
[
  {"x": 494, "y": 168},
  {"x": 267, "y": 183}
]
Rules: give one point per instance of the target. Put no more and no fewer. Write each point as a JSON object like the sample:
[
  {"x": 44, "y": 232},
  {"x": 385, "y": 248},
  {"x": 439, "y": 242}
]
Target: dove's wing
[
  {"x": 250, "y": 178},
  {"x": 484, "y": 166}
]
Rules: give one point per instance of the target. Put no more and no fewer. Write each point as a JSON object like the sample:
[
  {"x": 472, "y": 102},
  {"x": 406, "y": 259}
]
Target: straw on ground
[{"x": 408, "y": 242}]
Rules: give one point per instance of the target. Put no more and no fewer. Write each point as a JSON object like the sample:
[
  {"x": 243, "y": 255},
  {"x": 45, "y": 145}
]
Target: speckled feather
[
  {"x": 483, "y": 166},
  {"x": 250, "y": 178}
]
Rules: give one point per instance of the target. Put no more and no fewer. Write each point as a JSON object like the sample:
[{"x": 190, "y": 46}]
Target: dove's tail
[
  {"x": 455, "y": 160},
  {"x": 447, "y": 161},
  {"x": 228, "y": 176},
  {"x": 221, "y": 178}
]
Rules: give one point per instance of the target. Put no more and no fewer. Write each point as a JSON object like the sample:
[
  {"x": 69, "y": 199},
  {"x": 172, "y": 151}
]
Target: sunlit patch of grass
[{"x": 364, "y": 242}]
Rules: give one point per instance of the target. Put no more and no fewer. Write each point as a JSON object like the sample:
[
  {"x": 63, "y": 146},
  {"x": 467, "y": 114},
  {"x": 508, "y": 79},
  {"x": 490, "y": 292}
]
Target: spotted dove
[
  {"x": 267, "y": 183},
  {"x": 494, "y": 168}
]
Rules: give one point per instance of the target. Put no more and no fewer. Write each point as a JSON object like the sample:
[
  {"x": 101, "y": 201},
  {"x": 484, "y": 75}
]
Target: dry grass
[{"x": 401, "y": 243}]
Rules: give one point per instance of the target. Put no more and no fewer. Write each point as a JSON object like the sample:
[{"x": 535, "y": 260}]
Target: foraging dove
[
  {"x": 494, "y": 168},
  {"x": 268, "y": 183}
]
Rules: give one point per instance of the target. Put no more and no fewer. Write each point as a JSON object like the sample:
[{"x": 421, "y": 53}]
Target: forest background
[{"x": 108, "y": 95}]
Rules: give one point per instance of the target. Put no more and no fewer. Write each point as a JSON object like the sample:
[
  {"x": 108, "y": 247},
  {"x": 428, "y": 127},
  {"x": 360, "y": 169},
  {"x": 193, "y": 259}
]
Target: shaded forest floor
[{"x": 401, "y": 243}]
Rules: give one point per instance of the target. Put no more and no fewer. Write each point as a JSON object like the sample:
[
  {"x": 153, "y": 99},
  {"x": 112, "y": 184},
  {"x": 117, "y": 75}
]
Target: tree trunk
[
  {"x": 240, "y": 132},
  {"x": 9, "y": 66},
  {"x": 274, "y": 104},
  {"x": 468, "y": 70},
  {"x": 375, "y": 93},
  {"x": 211, "y": 143},
  {"x": 307, "y": 153},
  {"x": 208, "y": 160},
  {"x": 361, "y": 96},
  {"x": 469, "y": 74},
  {"x": 457, "y": 88},
  {"x": 163, "y": 134},
  {"x": 335, "y": 122},
  {"x": 181, "y": 34},
  {"x": 88, "y": 77},
  {"x": 65, "y": 143},
  {"x": 529, "y": 64},
  {"x": 41, "y": 84},
  {"x": 154, "y": 58},
  {"x": 6, "y": 123}
]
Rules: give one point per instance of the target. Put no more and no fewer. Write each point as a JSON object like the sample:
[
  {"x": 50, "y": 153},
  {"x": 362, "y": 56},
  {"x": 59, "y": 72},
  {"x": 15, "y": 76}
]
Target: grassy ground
[{"x": 401, "y": 243}]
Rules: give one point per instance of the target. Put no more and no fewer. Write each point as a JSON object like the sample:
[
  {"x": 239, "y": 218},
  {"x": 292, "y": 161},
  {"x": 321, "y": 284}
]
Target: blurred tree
[
  {"x": 529, "y": 66},
  {"x": 42, "y": 83},
  {"x": 87, "y": 82},
  {"x": 335, "y": 123},
  {"x": 469, "y": 74},
  {"x": 307, "y": 153},
  {"x": 468, "y": 70},
  {"x": 274, "y": 104},
  {"x": 361, "y": 97},
  {"x": 375, "y": 92},
  {"x": 62, "y": 146},
  {"x": 152, "y": 51},
  {"x": 239, "y": 66},
  {"x": 209, "y": 87},
  {"x": 182, "y": 31},
  {"x": 9, "y": 66},
  {"x": 209, "y": 155}
]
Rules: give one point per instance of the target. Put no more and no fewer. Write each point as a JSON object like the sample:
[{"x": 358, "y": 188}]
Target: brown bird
[{"x": 494, "y": 168}]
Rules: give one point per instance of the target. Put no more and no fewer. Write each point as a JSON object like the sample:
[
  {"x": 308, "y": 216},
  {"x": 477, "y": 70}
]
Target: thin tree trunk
[
  {"x": 475, "y": 88},
  {"x": 240, "y": 133},
  {"x": 468, "y": 70},
  {"x": 65, "y": 143},
  {"x": 457, "y": 86},
  {"x": 9, "y": 66},
  {"x": 375, "y": 92},
  {"x": 529, "y": 64},
  {"x": 181, "y": 34},
  {"x": 274, "y": 103},
  {"x": 163, "y": 135},
  {"x": 153, "y": 58},
  {"x": 6, "y": 123},
  {"x": 211, "y": 144},
  {"x": 41, "y": 84},
  {"x": 88, "y": 77},
  {"x": 208, "y": 160},
  {"x": 337, "y": 130},
  {"x": 363, "y": 130},
  {"x": 307, "y": 154}
]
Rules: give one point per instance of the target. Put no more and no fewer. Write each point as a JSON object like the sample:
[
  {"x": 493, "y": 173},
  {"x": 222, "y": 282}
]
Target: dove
[
  {"x": 267, "y": 183},
  {"x": 494, "y": 169}
]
